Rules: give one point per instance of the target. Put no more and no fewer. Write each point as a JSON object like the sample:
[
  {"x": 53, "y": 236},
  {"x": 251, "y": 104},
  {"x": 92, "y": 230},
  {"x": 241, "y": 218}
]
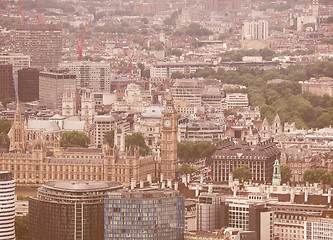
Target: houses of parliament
[{"x": 33, "y": 162}]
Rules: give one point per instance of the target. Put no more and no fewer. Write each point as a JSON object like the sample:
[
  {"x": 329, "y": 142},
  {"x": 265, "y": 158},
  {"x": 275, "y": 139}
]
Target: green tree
[
  {"x": 192, "y": 151},
  {"x": 146, "y": 73},
  {"x": 74, "y": 139},
  {"x": 242, "y": 173},
  {"x": 177, "y": 75},
  {"x": 109, "y": 137},
  {"x": 21, "y": 227},
  {"x": 285, "y": 173},
  {"x": 186, "y": 169},
  {"x": 137, "y": 140},
  {"x": 196, "y": 30},
  {"x": 6, "y": 100},
  {"x": 5, "y": 126},
  {"x": 174, "y": 52}
]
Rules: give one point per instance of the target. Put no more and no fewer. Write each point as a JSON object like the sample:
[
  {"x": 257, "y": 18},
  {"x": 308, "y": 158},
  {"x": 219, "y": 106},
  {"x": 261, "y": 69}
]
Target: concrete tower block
[
  {"x": 197, "y": 190},
  {"x": 176, "y": 185},
  {"x": 169, "y": 183}
]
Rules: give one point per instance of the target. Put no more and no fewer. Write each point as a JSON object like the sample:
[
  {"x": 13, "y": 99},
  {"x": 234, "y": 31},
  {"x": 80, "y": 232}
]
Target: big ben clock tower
[{"x": 169, "y": 140}]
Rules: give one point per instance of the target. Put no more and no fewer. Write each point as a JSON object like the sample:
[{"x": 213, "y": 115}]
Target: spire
[
  {"x": 17, "y": 117},
  {"x": 17, "y": 133},
  {"x": 276, "y": 173}
]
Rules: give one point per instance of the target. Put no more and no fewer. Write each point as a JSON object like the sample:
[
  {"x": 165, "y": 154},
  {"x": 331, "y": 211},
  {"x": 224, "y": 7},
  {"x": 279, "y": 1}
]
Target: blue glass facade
[{"x": 154, "y": 218}]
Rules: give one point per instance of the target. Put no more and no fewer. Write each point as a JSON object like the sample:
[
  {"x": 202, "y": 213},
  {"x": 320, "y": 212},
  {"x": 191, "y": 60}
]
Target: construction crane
[
  {"x": 129, "y": 57},
  {"x": 22, "y": 13},
  {"x": 80, "y": 45},
  {"x": 39, "y": 16}
]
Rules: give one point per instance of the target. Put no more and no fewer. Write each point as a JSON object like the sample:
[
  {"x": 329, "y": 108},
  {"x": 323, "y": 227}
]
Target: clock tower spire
[{"x": 169, "y": 143}]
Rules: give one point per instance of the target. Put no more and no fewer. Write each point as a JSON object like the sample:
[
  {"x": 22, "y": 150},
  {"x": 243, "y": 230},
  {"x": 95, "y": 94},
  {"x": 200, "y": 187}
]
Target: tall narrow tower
[
  {"x": 169, "y": 140},
  {"x": 276, "y": 181},
  {"x": 17, "y": 135}
]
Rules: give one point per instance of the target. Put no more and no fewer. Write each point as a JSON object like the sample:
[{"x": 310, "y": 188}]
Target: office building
[
  {"x": 28, "y": 84},
  {"x": 6, "y": 81},
  {"x": 210, "y": 209},
  {"x": 19, "y": 61},
  {"x": 201, "y": 131},
  {"x": 90, "y": 75},
  {"x": 237, "y": 100},
  {"x": 319, "y": 228},
  {"x": 259, "y": 158},
  {"x": 7, "y": 210},
  {"x": 69, "y": 210},
  {"x": 52, "y": 86},
  {"x": 187, "y": 90},
  {"x": 149, "y": 215},
  {"x": 165, "y": 70},
  {"x": 215, "y": 211},
  {"x": 42, "y": 42}
]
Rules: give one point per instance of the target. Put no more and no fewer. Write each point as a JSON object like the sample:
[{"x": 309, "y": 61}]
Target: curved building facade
[
  {"x": 69, "y": 210},
  {"x": 7, "y": 210}
]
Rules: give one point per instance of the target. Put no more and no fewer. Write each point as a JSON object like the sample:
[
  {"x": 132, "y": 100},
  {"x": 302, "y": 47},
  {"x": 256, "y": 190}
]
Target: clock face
[{"x": 167, "y": 123}]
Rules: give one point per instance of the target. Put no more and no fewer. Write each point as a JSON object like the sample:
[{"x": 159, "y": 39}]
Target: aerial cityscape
[{"x": 166, "y": 119}]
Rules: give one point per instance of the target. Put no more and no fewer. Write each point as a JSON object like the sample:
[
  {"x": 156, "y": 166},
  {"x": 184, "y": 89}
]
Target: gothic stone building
[
  {"x": 259, "y": 158},
  {"x": 32, "y": 162},
  {"x": 41, "y": 165}
]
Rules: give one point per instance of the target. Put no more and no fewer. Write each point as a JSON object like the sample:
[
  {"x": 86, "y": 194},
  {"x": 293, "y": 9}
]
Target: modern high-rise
[
  {"x": 6, "y": 81},
  {"x": 149, "y": 215},
  {"x": 90, "y": 75},
  {"x": 7, "y": 203},
  {"x": 216, "y": 211},
  {"x": 69, "y": 210},
  {"x": 210, "y": 210},
  {"x": 52, "y": 86},
  {"x": 42, "y": 42},
  {"x": 255, "y": 30},
  {"x": 28, "y": 84},
  {"x": 19, "y": 61}
]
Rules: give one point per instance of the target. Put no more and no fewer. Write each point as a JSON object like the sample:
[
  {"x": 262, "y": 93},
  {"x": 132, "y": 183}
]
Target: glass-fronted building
[{"x": 144, "y": 215}]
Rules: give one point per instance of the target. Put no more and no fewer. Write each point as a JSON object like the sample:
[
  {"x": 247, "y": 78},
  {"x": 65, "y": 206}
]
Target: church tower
[
  {"x": 68, "y": 105},
  {"x": 87, "y": 108},
  {"x": 17, "y": 134},
  {"x": 276, "y": 174},
  {"x": 169, "y": 140}
]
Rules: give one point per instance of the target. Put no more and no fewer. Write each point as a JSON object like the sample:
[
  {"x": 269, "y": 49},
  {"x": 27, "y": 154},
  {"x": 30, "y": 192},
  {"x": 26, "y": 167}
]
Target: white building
[
  {"x": 319, "y": 229},
  {"x": 90, "y": 75},
  {"x": 7, "y": 203},
  {"x": 19, "y": 61},
  {"x": 255, "y": 30},
  {"x": 165, "y": 70},
  {"x": 237, "y": 100}
]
